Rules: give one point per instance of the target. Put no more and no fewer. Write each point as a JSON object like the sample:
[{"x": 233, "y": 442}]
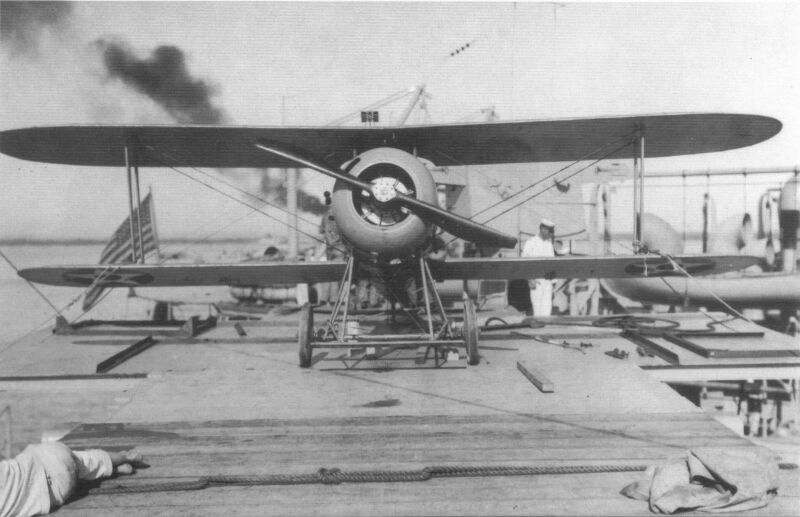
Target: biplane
[{"x": 384, "y": 202}]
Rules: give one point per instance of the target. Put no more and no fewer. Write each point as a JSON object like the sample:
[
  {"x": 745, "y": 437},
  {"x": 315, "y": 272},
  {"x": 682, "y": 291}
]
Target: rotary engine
[{"x": 375, "y": 223}]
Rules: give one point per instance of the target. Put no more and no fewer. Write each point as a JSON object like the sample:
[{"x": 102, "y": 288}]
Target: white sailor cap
[{"x": 548, "y": 223}]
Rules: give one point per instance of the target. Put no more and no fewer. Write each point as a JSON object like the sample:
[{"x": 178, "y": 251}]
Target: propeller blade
[
  {"x": 459, "y": 226},
  {"x": 328, "y": 171},
  {"x": 455, "y": 224}
]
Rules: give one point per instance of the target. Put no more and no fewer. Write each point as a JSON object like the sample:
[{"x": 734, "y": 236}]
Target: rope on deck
[{"x": 336, "y": 476}]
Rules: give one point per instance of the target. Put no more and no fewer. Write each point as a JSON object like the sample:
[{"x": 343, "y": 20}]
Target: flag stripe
[{"x": 118, "y": 250}]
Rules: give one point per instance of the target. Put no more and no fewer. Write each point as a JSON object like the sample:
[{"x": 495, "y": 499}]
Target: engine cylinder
[{"x": 383, "y": 227}]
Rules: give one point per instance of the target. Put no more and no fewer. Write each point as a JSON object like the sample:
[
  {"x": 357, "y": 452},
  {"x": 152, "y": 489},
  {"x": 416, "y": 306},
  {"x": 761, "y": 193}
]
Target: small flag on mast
[
  {"x": 370, "y": 117},
  {"x": 119, "y": 250}
]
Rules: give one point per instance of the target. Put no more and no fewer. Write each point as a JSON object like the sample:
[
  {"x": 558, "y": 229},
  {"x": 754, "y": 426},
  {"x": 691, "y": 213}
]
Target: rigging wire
[
  {"x": 551, "y": 175},
  {"x": 569, "y": 176},
  {"x": 110, "y": 269},
  {"x": 38, "y": 291},
  {"x": 228, "y": 184},
  {"x": 683, "y": 208},
  {"x": 242, "y": 202},
  {"x": 69, "y": 304},
  {"x": 689, "y": 276},
  {"x": 104, "y": 274},
  {"x": 709, "y": 291}
]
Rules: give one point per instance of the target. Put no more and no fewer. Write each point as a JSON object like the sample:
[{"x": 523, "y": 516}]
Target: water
[{"x": 23, "y": 311}]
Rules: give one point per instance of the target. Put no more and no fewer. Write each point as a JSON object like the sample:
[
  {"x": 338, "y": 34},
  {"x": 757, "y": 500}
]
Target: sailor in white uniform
[{"x": 541, "y": 289}]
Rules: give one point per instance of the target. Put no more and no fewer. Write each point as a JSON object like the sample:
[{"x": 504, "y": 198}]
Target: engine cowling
[{"x": 372, "y": 222}]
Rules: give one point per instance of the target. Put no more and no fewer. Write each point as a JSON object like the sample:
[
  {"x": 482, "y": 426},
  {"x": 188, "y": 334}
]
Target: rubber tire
[
  {"x": 470, "y": 332},
  {"x": 305, "y": 333}
]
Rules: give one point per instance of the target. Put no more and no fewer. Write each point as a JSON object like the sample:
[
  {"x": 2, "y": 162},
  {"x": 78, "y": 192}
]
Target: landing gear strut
[
  {"x": 440, "y": 335},
  {"x": 305, "y": 334},
  {"x": 470, "y": 331}
]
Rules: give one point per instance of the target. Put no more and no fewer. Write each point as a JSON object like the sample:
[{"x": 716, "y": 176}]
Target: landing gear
[
  {"x": 470, "y": 332},
  {"x": 438, "y": 333},
  {"x": 305, "y": 334}
]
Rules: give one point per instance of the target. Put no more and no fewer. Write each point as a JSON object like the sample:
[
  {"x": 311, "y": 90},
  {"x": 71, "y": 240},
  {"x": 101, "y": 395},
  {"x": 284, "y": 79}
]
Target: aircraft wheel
[
  {"x": 470, "y": 332},
  {"x": 305, "y": 334}
]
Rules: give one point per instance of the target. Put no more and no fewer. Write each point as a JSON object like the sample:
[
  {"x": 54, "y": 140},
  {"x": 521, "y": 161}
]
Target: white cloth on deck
[
  {"x": 709, "y": 479},
  {"x": 542, "y": 288},
  {"x": 43, "y": 476}
]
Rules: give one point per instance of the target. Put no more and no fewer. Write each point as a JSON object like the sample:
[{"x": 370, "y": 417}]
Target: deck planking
[
  {"x": 188, "y": 450},
  {"x": 222, "y": 403}
]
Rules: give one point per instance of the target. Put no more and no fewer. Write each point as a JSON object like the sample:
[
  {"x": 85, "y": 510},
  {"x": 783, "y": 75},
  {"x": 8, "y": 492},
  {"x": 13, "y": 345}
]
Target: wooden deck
[
  {"x": 222, "y": 403},
  {"x": 183, "y": 451}
]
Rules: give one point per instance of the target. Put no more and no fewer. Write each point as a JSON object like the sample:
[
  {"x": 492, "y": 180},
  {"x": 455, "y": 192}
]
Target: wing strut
[
  {"x": 638, "y": 189},
  {"x": 134, "y": 200}
]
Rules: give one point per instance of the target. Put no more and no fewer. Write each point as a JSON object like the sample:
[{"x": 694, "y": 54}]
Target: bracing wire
[
  {"x": 705, "y": 288},
  {"x": 683, "y": 207},
  {"x": 691, "y": 277},
  {"x": 551, "y": 175},
  {"x": 109, "y": 269},
  {"x": 549, "y": 187},
  {"x": 245, "y": 203},
  {"x": 38, "y": 291},
  {"x": 228, "y": 184}
]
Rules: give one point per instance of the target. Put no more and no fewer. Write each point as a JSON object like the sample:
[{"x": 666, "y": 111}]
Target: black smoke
[
  {"x": 164, "y": 78},
  {"x": 275, "y": 189},
  {"x": 22, "y": 23}
]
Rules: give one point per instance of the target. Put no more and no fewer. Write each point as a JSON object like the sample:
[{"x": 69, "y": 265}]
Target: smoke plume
[
  {"x": 275, "y": 189},
  {"x": 23, "y": 23},
  {"x": 164, "y": 78}
]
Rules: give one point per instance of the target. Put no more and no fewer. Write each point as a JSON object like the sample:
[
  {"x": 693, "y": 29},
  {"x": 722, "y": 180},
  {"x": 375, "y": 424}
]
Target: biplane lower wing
[
  {"x": 443, "y": 144},
  {"x": 631, "y": 266},
  {"x": 174, "y": 275},
  {"x": 639, "y": 266}
]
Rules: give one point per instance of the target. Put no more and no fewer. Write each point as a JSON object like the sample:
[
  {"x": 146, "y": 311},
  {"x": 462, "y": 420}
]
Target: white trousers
[{"x": 542, "y": 298}]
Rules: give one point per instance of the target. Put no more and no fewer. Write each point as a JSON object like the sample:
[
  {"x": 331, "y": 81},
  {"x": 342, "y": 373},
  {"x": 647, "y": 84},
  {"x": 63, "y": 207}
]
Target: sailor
[
  {"x": 43, "y": 476},
  {"x": 541, "y": 245}
]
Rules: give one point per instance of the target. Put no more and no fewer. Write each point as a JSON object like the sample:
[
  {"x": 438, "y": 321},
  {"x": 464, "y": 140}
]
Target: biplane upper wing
[
  {"x": 265, "y": 274},
  {"x": 632, "y": 266},
  {"x": 449, "y": 144},
  {"x": 171, "y": 275}
]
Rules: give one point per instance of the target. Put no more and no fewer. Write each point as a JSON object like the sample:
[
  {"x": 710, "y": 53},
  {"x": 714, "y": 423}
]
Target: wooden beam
[
  {"x": 651, "y": 346},
  {"x": 73, "y": 377},
  {"x": 724, "y": 372},
  {"x": 536, "y": 377},
  {"x": 120, "y": 357}
]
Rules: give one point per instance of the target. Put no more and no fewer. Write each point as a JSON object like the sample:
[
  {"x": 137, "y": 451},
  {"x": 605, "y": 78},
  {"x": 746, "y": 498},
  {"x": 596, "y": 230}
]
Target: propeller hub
[{"x": 384, "y": 189}]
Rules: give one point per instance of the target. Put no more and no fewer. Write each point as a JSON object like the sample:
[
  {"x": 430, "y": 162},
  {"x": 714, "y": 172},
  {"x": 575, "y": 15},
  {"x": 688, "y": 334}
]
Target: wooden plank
[
  {"x": 120, "y": 357},
  {"x": 651, "y": 346},
  {"x": 182, "y": 449},
  {"x": 73, "y": 377},
  {"x": 724, "y": 371},
  {"x": 536, "y": 377}
]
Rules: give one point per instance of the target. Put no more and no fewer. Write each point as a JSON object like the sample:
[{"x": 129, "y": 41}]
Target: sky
[{"x": 293, "y": 63}]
